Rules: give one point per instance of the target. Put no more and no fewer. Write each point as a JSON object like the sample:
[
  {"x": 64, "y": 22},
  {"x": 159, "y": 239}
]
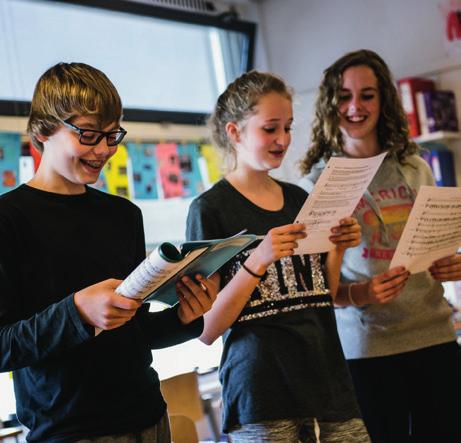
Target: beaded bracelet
[
  {"x": 252, "y": 273},
  {"x": 349, "y": 295}
]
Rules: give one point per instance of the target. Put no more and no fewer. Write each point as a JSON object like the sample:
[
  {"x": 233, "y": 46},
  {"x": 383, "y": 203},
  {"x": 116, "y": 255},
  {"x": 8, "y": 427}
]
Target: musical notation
[
  {"x": 433, "y": 229},
  {"x": 335, "y": 196}
]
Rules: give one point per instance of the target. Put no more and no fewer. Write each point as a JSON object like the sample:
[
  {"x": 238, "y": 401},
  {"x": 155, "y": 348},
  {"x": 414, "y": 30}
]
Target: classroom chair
[{"x": 183, "y": 429}]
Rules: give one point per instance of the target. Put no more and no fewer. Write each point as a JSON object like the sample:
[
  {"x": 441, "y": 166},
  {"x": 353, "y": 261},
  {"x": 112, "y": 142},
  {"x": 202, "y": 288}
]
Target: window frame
[{"x": 19, "y": 108}]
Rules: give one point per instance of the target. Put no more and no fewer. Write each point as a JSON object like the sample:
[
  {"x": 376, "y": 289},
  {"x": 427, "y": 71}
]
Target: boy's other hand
[
  {"x": 101, "y": 307},
  {"x": 195, "y": 296}
]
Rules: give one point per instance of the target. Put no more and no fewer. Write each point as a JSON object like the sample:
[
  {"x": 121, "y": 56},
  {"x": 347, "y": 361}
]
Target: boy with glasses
[{"x": 64, "y": 248}]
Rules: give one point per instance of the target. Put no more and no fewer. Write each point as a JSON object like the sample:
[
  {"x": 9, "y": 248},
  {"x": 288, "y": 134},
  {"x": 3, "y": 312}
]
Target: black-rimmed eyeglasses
[{"x": 91, "y": 137}]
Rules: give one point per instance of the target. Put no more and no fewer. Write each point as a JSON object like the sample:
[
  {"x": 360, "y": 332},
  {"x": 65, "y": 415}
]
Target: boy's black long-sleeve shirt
[{"x": 70, "y": 384}]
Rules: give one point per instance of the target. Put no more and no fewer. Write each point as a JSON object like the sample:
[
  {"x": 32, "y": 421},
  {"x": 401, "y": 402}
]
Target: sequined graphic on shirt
[{"x": 291, "y": 283}]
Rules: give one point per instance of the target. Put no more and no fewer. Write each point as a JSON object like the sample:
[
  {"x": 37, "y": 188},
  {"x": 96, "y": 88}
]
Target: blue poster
[
  {"x": 190, "y": 171},
  {"x": 101, "y": 182},
  {"x": 143, "y": 165},
  {"x": 10, "y": 151}
]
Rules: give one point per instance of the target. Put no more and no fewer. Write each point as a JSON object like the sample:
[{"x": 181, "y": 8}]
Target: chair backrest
[
  {"x": 8, "y": 433},
  {"x": 183, "y": 429},
  {"x": 182, "y": 395}
]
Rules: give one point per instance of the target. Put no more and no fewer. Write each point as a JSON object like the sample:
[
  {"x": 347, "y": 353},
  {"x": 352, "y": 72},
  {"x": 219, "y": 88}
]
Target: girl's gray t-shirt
[{"x": 420, "y": 316}]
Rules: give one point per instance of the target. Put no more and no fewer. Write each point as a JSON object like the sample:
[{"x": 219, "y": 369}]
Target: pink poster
[{"x": 169, "y": 170}]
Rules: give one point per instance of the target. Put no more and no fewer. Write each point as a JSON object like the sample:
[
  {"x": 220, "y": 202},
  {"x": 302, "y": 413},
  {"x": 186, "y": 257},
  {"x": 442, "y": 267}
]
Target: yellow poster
[
  {"x": 213, "y": 162},
  {"x": 116, "y": 173}
]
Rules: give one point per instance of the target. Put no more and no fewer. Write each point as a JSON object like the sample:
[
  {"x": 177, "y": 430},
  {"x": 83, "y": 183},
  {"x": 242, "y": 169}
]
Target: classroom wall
[
  {"x": 301, "y": 38},
  {"x": 298, "y": 39}
]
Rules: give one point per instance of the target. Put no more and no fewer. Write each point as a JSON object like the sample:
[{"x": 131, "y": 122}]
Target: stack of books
[
  {"x": 408, "y": 88},
  {"x": 441, "y": 160},
  {"x": 436, "y": 111},
  {"x": 427, "y": 109}
]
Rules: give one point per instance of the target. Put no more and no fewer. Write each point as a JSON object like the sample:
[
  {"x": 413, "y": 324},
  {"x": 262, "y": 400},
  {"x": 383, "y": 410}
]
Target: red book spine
[{"x": 408, "y": 87}]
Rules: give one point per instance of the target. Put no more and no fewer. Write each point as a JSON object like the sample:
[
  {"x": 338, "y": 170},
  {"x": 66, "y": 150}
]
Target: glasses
[{"x": 91, "y": 137}]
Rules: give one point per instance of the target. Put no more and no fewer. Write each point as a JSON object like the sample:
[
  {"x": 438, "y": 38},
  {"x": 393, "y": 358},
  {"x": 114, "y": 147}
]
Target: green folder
[{"x": 203, "y": 257}]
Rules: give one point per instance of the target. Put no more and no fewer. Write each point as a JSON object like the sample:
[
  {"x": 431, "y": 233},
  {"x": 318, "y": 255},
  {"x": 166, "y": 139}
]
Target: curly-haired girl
[{"x": 395, "y": 328}]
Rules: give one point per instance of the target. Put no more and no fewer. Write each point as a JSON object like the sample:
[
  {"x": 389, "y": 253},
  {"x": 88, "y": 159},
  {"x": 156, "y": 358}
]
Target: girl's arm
[
  {"x": 346, "y": 235},
  {"x": 333, "y": 270},
  {"x": 279, "y": 242}
]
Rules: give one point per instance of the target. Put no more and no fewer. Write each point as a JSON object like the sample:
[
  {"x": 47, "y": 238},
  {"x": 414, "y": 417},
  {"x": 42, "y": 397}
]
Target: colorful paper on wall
[
  {"x": 101, "y": 182},
  {"x": 10, "y": 151},
  {"x": 190, "y": 171},
  {"x": 213, "y": 163},
  {"x": 169, "y": 170},
  {"x": 143, "y": 163},
  {"x": 116, "y": 173}
]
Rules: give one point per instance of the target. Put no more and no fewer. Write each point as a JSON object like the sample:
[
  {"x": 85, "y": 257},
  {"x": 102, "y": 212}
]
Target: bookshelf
[
  {"x": 438, "y": 136},
  {"x": 452, "y": 141}
]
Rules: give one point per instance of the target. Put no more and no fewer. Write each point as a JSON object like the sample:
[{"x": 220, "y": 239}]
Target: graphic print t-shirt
[
  {"x": 282, "y": 357},
  {"x": 420, "y": 316}
]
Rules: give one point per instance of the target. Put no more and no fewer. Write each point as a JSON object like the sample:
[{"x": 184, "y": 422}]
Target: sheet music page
[
  {"x": 335, "y": 196},
  {"x": 432, "y": 231},
  {"x": 153, "y": 271}
]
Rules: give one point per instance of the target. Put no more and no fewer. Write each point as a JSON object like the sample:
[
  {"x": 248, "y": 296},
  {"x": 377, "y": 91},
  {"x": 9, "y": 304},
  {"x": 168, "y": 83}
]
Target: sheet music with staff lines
[
  {"x": 335, "y": 196},
  {"x": 433, "y": 229}
]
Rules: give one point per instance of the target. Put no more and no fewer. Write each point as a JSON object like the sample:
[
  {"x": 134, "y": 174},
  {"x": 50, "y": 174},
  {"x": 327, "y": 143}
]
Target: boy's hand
[
  {"x": 447, "y": 268},
  {"x": 195, "y": 297},
  {"x": 100, "y": 306},
  {"x": 347, "y": 234}
]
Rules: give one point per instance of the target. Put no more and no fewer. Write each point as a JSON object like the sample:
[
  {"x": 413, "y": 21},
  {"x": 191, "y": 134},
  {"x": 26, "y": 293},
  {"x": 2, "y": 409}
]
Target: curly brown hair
[{"x": 392, "y": 128}]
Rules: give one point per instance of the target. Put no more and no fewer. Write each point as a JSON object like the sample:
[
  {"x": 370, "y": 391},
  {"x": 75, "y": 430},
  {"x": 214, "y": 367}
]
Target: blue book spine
[{"x": 442, "y": 165}]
